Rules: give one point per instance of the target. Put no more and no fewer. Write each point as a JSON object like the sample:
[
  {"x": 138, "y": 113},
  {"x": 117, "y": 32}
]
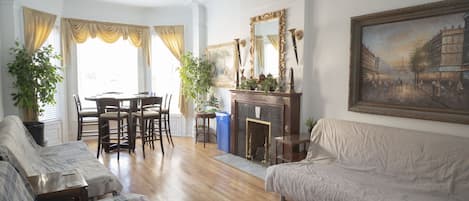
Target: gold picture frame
[
  {"x": 225, "y": 60},
  {"x": 281, "y": 15},
  {"x": 425, "y": 83}
]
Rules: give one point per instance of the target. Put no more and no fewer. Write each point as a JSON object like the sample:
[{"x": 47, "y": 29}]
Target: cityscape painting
[{"x": 419, "y": 64}]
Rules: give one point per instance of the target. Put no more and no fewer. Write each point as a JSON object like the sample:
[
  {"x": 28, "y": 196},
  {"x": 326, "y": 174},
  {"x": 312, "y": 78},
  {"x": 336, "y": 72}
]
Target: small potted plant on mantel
[{"x": 36, "y": 77}]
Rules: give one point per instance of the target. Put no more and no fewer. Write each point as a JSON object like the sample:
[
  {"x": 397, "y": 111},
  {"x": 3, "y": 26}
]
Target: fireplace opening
[{"x": 258, "y": 135}]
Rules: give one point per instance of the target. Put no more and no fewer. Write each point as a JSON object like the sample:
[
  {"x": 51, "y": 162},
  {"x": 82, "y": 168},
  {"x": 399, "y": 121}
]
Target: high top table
[{"x": 133, "y": 107}]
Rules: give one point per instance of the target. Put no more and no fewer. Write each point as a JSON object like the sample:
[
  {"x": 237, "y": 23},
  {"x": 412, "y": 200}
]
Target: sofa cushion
[
  {"x": 307, "y": 181},
  {"x": 12, "y": 186},
  {"x": 75, "y": 155},
  {"x": 423, "y": 158},
  {"x": 15, "y": 138}
]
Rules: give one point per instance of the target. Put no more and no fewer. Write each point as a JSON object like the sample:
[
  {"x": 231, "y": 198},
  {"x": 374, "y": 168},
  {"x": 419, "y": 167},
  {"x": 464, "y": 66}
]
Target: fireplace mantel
[{"x": 282, "y": 109}]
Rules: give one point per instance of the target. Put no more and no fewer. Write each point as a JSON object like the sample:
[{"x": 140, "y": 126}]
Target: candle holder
[
  {"x": 291, "y": 83},
  {"x": 295, "y": 36}
]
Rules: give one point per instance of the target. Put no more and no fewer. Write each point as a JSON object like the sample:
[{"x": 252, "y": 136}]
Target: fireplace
[
  {"x": 257, "y": 118},
  {"x": 258, "y": 135}
]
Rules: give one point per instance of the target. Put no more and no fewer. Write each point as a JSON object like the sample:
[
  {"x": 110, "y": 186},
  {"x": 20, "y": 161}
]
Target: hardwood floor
[{"x": 185, "y": 172}]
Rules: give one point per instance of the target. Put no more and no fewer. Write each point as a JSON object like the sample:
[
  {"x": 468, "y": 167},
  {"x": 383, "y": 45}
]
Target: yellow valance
[{"x": 78, "y": 31}]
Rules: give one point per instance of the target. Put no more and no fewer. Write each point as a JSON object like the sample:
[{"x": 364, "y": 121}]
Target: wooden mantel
[{"x": 285, "y": 107}]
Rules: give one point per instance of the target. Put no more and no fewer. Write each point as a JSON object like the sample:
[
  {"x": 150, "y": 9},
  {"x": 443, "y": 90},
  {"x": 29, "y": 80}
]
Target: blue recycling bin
[{"x": 223, "y": 131}]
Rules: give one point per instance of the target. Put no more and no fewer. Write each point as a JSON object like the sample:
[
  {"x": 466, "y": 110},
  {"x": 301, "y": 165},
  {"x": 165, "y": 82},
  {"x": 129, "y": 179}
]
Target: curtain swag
[
  {"x": 173, "y": 38},
  {"x": 37, "y": 28},
  {"x": 78, "y": 31}
]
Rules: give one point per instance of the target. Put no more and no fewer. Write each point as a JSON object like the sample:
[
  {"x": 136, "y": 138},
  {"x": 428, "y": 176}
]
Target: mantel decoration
[
  {"x": 196, "y": 79},
  {"x": 260, "y": 36},
  {"x": 412, "y": 62},
  {"x": 36, "y": 77},
  {"x": 239, "y": 43},
  {"x": 295, "y": 36}
]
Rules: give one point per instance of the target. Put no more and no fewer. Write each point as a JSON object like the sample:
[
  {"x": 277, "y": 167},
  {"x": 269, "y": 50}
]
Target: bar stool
[
  {"x": 149, "y": 111},
  {"x": 166, "y": 118},
  {"x": 109, "y": 109},
  {"x": 88, "y": 114},
  {"x": 205, "y": 116}
]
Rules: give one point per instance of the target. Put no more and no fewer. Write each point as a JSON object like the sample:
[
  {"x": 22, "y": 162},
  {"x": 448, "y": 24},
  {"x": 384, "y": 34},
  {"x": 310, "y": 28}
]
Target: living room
[{"x": 318, "y": 72}]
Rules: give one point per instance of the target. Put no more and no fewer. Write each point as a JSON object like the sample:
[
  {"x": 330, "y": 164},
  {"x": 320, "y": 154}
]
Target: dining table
[{"x": 133, "y": 100}]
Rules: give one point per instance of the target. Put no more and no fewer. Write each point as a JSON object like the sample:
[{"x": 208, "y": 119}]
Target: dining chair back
[
  {"x": 109, "y": 109},
  {"x": 89, "y": 115},
  {"x": 149, "y": 111},
  {"x": 165, "y": 113}
]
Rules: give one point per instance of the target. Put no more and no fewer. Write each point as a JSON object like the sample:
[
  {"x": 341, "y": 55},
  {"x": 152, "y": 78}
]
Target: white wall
[
  {"x": 10, "y": 33},
  {"x": 328, "y": 35},
  {"x": 176, "y": 15},
  {"x": 1, "y": 89},
  {"x": 102, "y": 11},
  {"x": 227, "y": 19}
]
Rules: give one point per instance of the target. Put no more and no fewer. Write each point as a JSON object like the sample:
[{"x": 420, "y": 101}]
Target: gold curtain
[
  {"x": 260, "y": 52},
  {"x": 173, "y": 38},
  {"x": 274, "y": 39},
  {"x": 37, "y": 28},
  {"x": 78, "y": 31}
]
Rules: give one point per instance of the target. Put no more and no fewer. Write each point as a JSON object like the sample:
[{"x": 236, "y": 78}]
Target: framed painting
[
  {"x": 412, "y": 62},
  {"x": 224, "y": 57}
]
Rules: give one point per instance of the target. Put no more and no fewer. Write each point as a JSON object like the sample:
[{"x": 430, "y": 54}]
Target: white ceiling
[{"x": 151, "y": 3}]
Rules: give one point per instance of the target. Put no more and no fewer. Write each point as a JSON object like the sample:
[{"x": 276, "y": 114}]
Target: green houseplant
[
  {"x": 249, "y": 84},
  {"x": 196, "y": 78},
  {"x": 310, "y": 123},
  {"x": 36, "y": 77},
  {"x": 268, "y": 84}
]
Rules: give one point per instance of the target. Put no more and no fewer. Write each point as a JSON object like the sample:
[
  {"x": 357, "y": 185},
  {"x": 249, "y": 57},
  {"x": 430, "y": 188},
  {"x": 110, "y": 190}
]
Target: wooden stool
[
  {"x": 291, "y": 141},
  {"x": 205, "y": 116}
]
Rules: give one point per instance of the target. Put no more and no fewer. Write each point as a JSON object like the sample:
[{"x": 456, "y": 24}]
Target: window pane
[
  {"x": 165, "y": 76},
  {"x": 104, "y": 67},
  {"x": 51, "y": 112}
]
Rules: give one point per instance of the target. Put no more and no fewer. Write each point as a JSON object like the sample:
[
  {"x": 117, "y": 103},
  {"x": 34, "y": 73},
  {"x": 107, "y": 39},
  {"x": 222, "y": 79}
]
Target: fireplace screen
[{"x": 258, "y": 135}]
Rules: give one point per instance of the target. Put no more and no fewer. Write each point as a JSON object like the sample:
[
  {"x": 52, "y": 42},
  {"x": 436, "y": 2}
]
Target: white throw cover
[
  {"x": 350, "y": 161},
  {"x": 18, "y": 148}
]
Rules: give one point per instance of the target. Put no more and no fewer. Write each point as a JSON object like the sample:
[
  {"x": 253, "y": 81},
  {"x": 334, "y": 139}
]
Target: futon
[{"x": 351, "y": 161}]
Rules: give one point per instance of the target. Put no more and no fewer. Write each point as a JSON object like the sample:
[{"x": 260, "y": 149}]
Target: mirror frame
[{"x": 282, "y": 29}]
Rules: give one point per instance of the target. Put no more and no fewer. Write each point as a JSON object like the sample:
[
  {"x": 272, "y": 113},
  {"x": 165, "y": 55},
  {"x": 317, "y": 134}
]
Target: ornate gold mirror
[{"x": 268, "y": 44}]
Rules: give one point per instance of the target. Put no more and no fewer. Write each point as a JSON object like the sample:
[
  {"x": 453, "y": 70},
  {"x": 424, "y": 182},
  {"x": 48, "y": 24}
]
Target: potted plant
[
  {"x": 36, "y": 77},
  {"x": 310, "y": 123},
  {"x": 213, "y": 103},
  {"x": 269, "y": 83},
  {"x": 196, "y": 78},
  {"x": 249, "y": 84}
]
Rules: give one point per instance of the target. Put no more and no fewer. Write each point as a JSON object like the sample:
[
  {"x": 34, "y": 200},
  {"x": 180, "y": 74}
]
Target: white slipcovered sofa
[
  {"x": 350, "y": 161},
  {"x": 19, "y": 149}
]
